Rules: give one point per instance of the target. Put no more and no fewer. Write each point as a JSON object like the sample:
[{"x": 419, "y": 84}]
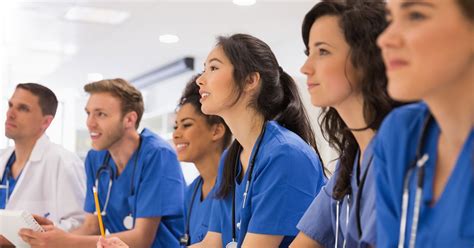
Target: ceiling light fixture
[
  {"x": 169, "y": 38},
  {"x": 244, "y": 2}
]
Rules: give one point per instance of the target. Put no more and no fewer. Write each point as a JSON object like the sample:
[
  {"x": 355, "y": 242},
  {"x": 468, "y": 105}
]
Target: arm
[
  {"x": 212, "y": 240},
  {"x": 303, "y": 241},
  {"x": 89, "y": 227},
  {"x": 261, "y": 240},
  {"x": 70, "y": 192},
  {"x": 5, "y": 243},
  {"x": 141, "y": 236}
]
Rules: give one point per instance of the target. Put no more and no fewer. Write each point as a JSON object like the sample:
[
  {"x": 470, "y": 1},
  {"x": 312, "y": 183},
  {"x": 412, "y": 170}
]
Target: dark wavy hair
[
  {"x": 277, "y": 98},
  {"x": 467, "y": 8},
  {"x": 361, "y": 22},
  {"x": 191, "y": 96}
]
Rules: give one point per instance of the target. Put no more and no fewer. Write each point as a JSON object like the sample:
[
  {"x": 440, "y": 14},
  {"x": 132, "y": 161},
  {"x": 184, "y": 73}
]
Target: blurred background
[{"x": 156, "y": 44}]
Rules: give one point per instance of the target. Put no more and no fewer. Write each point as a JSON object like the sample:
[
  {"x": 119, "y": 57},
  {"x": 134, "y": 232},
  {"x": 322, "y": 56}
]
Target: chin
[{"x": 402, "y": 91}]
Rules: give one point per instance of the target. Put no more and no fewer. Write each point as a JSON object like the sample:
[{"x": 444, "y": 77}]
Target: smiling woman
[{"x": 199, "y": 139}]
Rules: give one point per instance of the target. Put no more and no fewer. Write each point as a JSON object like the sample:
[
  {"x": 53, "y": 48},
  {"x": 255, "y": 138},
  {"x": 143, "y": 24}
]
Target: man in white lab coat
[{"x": 37, "y": 175}]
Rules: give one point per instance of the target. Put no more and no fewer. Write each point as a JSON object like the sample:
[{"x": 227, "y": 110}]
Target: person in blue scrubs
[
  {"x": 423, "y": 154},
  {"x": 346, "y": 77},
  {"x": 271, "y": 172},
  {"x": 138, "y": 177},
  {"x": 199, "y": 139}
]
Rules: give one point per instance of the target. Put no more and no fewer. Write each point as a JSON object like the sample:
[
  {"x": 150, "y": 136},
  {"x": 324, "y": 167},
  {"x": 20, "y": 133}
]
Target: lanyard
[{"x": 247, "y": 184}]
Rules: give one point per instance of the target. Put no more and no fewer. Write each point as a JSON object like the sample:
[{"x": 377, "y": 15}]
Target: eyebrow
[
  {"x": 23, "y": 105},
  {"x": 214, "y": 59},
  {"x": 94, "y": 110},
  {"x": 185, "y": 119},
  {"x": 411, "y": 3},
  {"x": 320, "y": 43}
]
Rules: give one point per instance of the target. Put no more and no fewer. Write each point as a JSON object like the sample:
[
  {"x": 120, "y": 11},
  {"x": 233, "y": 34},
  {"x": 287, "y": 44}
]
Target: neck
[
  {"x": 122, "y": 150},
  {"x": 246, "y": 125},
  {"x": 23, "y": 149},
  {"x": 351, "y": 112},
  {"x": 207, "y": 167},
  {"x": 453, "y": 109}
]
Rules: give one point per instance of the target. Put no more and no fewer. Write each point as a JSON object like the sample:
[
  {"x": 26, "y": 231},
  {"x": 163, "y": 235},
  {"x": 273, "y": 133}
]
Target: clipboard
[{"x": 11, "y": 221}]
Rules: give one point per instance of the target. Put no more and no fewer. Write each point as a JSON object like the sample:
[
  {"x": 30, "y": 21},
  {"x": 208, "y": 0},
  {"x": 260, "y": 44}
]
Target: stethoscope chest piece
[
  {"x": 231, "y": 244},
  {"x": 128, "y": 222}
]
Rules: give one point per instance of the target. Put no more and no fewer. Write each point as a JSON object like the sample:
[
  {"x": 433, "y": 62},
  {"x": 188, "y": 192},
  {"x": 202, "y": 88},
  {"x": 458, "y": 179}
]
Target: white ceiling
[{"x": 39, "y": 44}]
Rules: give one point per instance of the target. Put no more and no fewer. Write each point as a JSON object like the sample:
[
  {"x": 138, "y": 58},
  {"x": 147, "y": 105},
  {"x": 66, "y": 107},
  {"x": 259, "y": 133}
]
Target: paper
[{"x": 12, "y": 221}]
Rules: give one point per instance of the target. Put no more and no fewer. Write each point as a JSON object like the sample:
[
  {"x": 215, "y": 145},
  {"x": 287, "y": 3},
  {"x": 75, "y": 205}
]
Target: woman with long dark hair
[
  {"x": 271, "y": 171},
  {"x": 424, "y": 151},
  {"x": 346, "y": 76}
]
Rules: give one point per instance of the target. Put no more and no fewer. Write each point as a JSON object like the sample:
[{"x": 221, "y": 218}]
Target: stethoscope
[
  {"x": 7, "y": 175},
  {"x": 418, "y": 164},
  {"x": 185, "y": 239},
  {"x": 128, "y": 220},
  {"x": 358, "y": 211},
  {"x": 233, "y": 243}
]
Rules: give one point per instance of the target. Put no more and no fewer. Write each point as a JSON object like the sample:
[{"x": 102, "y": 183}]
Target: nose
[
  {"x": 200, "y": 80},
  {"x": 308, "y": 67},
  {"x": 177, "y": 133},
  {"x": 91, "y": 123},
  {"x": 11, "y": 113},
  {"x": 390, "y": 37}
]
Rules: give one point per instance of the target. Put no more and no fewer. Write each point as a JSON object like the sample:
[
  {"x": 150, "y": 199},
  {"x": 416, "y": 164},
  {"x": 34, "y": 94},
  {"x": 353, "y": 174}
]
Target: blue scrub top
[
  {"x": 201, "y": 212},
  {"x": 319, "y": 221},
  {"x": 447, "y": 223},
  {"x": 12, "y": 181},
  {"x": 158, "y": 185},
  {"x": 286, "y": 178}
]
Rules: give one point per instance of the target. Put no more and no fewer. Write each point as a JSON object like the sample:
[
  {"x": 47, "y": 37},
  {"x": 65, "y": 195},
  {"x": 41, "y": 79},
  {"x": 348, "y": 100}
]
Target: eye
[
  {"x": 24, "y": 109},
  {"x": 102, "y": 114},
  {"x": 416, "y": 16},
  {"x": 213, "y": 68},
  {"x": 175, "y": 127},
  {"x": 186, "y": 125},
  {"x": 323, "y": 52}
]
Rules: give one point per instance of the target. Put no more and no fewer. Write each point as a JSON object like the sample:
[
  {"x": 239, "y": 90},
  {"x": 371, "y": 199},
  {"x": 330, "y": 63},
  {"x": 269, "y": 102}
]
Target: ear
[
  {"x": 46, "y": 122},
  {"x": 130, "y": 119},
  {"x": 218, "y": 131},
  {"x": 252, "y": 82}
]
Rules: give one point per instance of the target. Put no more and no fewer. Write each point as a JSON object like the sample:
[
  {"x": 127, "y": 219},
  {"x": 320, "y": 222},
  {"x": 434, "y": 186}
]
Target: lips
[
  {"x": 394, "y": 64},
  {"x": 311, "y": 85},
  {"x": 95, "y": 135},
  {"x": 9, "y": 125},
  {"x": 204, "y": 94},
  {"x": 181, "y": 146}
]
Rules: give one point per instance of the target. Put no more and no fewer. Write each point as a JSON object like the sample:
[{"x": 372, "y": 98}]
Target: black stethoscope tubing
[
  {"x": 186, "y": 238},
  {"x": 106, "y": 167},
  {"x": 249, "y": 178}
]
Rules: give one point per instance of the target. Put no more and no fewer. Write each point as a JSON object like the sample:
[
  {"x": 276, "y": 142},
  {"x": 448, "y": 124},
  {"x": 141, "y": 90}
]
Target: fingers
[{"x": 42, "y": 220}]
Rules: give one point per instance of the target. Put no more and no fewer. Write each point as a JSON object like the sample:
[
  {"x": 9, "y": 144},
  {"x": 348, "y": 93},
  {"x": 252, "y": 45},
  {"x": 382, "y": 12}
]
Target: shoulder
[
  {"x": 282, "y": 142},
  {"x": 152, "y": 143},
  {"x": 409, "y": 117}
]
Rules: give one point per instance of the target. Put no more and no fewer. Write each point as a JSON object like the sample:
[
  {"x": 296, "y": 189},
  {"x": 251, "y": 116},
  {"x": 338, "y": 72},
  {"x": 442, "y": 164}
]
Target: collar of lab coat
[{"x": 39, "y": 149}]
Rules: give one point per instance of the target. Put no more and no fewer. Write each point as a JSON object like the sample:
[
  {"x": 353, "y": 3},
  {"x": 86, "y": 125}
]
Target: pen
[{"x": 99, "y": 213}]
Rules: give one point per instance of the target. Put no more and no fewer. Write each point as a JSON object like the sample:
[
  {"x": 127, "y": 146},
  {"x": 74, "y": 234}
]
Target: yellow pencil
[{"x": 99, "y": 213}]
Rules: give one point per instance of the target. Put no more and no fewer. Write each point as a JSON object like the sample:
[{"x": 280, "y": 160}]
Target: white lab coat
[{"x": 52, "y": 182}]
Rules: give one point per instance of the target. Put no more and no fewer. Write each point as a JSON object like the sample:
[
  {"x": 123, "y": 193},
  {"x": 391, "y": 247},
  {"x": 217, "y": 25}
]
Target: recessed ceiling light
[
  {"x": 98, "y": 15},
  {"x": 244, "y": 2},
  {"x": 169, "y": 38}
]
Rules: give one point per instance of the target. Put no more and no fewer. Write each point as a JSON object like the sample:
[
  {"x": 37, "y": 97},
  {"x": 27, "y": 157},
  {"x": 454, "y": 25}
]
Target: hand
[
  {"x": 52, "y": 237},
  {"x": 42, "y": 220},
  {"x": 113, "y": 242}
]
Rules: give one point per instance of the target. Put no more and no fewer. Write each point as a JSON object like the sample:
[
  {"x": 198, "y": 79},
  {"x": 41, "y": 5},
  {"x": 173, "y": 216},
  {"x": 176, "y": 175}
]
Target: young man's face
[
  {"x": 25, "y": 119},
  {"x": 104, "y": 120}
]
